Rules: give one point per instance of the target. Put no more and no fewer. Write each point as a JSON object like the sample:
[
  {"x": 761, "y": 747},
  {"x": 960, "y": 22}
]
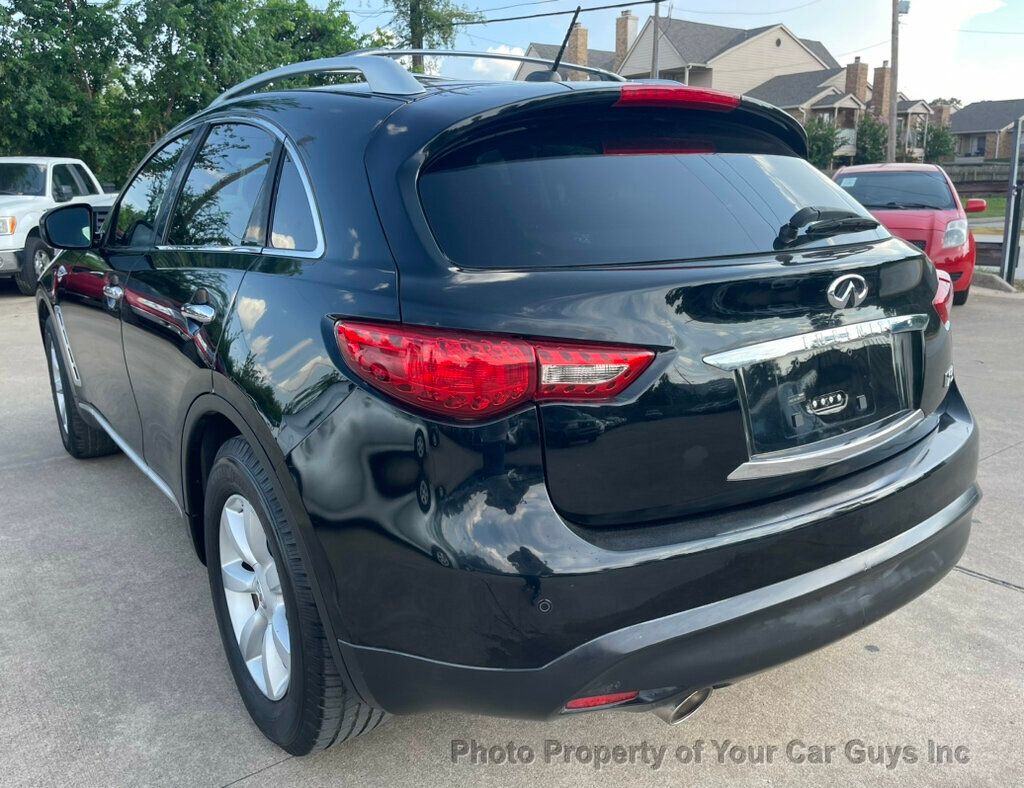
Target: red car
[{"x": 918, "y": 203}]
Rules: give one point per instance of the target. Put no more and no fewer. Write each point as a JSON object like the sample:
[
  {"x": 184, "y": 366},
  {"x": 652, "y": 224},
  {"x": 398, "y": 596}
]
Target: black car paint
[{"x": 438, "y": 552}]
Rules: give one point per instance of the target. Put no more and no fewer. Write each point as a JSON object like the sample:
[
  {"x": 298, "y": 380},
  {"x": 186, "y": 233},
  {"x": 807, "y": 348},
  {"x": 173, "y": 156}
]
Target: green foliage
[
  {"x": 939, "y": 145},
  {"x": 822, "y": 142},
  {"x": 103, "y": 81},
  {"x": 871, "y": 139}
]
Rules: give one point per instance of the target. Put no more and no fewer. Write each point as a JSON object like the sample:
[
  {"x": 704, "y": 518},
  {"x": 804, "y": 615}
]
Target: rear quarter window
[{"x": 622, "y": 191}]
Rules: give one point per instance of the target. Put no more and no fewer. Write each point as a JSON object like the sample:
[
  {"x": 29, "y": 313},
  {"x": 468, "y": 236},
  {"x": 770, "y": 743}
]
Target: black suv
[{"x": 520, "y": 398}]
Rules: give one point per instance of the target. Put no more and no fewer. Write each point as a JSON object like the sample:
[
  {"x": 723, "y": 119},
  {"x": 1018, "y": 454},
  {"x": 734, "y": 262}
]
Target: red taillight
[
  {"x": 594, "y": 701},
  {"x": 943, "y": 299},
  {"x": 466, "y": 375},
  {"x": 676, "y": 96}
]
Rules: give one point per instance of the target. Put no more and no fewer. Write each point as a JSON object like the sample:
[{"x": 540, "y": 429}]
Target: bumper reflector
[{"x": 597, "y": 701}]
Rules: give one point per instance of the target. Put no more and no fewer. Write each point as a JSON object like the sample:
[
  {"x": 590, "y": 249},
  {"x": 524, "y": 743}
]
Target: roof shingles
[
  {"x": 986, "y": 116},
  {"x": 697, "y": 42},
  {"x": 596, "y": 58},
  {"x": 793, "y": 90}
]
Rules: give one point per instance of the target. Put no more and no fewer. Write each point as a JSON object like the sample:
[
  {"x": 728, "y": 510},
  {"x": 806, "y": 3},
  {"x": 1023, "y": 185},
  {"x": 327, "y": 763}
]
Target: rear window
[
  {"x": 899, "y": 190},
  {"x": 584, "y": 192}
]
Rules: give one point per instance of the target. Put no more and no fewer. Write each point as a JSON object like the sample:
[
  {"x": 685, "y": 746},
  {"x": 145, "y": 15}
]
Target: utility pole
[
  {"x": 894, "y": 58},
  {"x": 654, "y": 41},
  {"x": 1014, "y": 195}
]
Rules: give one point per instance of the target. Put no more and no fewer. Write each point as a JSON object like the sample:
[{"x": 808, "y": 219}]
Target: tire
[
  {"x": 313, "y": 706},
  {"x": 81, "y": 440},
  {"x": 27, "y": 276},
  {"x": 959, "y": 299}
]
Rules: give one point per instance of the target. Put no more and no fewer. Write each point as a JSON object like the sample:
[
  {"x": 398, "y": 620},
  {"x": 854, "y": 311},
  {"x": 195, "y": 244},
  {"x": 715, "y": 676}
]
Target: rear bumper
[
  {"x": 477, "y": 608},
  {"x": 707, "y": 646}
]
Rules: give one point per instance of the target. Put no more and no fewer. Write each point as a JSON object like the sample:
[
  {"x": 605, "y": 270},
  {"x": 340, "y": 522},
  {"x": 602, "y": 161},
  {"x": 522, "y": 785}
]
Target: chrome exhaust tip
[{"x": 675, "y": 711}]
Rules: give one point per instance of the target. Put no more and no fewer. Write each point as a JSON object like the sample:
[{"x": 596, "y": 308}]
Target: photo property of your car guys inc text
[{"x": 451, "y": 392}]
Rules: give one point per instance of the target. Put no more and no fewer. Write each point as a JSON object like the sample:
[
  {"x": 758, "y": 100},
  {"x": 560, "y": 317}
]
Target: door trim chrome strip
[
  {"x": 68, "y": 355},
  {"x": 731, "y": 360},
  {"x": 161, "y": 485},
  {"x": 766, "y": 466}
]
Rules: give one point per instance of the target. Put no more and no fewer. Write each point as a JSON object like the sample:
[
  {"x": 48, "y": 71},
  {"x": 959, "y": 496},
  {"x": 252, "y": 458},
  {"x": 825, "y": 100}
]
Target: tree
[
  {"x": 429, "y": 24},
  {"x": 955, "y": 103},
  {"x": 940, "y": 143},
  {"x": 57, "y": 59},
  {"x": 872, "y": 135},
  {"x": 822, "y": 142},
  {"x": 104, "y": 80}
]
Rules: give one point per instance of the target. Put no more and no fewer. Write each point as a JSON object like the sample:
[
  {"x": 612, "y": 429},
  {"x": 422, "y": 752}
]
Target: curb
[{"x": 992, "y": 282}]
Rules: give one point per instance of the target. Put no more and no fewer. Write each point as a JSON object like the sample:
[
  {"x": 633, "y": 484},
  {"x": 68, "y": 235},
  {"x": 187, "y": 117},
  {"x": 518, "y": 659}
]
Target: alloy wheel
[
  {"x": 255, "y": 601},
  {"x": 40, "y": 260}
]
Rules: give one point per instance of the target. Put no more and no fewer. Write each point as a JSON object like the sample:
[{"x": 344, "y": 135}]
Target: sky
[{"x": 938, "y": 58}]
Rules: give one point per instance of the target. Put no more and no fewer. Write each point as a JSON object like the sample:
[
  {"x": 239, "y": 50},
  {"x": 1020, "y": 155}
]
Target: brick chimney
[
  {"x": 576, "y": 51},
  {"x": 857, "y": 79},
  {"x": 941, "y": 114},
  {"x": 625, "y": 34},
  {"x": 881, "y": 87}
]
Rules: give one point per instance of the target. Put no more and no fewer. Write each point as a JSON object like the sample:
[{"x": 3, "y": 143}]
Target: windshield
[
  {"x": 899, "y": 190},
  {"x": 22, "y": 178},
  {"x": 642, "y": 190}
]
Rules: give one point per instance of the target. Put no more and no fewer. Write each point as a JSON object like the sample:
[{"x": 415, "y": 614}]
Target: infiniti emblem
[{"x": 847, "y": 290}]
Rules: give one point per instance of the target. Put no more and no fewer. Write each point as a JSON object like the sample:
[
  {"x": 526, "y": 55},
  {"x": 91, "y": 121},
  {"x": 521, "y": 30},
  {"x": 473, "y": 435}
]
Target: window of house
[
  {"x": 223, "y": 201},
  {"x": 135, "y": 225},
  {"x": 292, "y": 226}
]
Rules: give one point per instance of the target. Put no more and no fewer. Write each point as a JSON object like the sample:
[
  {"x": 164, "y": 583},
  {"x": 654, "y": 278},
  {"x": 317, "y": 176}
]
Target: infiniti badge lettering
[{"x": 847, "y": 290}]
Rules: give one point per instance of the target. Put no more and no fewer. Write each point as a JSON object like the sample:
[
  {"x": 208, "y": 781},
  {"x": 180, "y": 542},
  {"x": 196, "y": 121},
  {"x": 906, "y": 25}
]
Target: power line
[
  {"x": 697, "y": 11},
  {"x": 995, "y": 32},
  {"x": 559, "y": 13}
]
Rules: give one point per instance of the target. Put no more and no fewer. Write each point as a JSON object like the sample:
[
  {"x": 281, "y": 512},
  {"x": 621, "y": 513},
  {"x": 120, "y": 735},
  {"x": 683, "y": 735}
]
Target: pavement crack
[
  {"x": 989, "y": 578},
  {"x": 1000, "y": 451},
  {"x": 251, "y": 774}
]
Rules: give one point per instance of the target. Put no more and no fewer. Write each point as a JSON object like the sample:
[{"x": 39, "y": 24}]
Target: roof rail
[
  {"x": 384, "y": 74},
  {"x": 608, "y": 76}
]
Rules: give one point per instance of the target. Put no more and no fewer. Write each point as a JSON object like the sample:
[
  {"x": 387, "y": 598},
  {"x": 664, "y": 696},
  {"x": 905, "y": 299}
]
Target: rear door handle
[
  {"x": 201, "y": 313},
  {"x": 113, "y": 292}
]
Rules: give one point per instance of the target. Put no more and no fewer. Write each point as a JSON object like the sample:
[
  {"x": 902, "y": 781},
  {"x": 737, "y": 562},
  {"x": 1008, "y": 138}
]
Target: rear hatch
[{"x": 781, "y": 362}]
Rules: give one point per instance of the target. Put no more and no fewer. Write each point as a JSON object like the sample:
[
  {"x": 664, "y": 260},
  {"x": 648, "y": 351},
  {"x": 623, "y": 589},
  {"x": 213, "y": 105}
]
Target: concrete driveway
[{"x": 111, "y": 670}]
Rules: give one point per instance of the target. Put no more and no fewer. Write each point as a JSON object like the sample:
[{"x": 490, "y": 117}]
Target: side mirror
[
  {"x": 108, "y": 187},
  {"x": 975, "y": 205},
  {"x": 62, "y": 193},
  {"x": 67, "y": 227}
]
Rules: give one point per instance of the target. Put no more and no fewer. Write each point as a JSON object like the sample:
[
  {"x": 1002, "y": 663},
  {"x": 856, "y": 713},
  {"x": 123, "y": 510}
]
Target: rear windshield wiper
[{"x": 821, "y": 223}]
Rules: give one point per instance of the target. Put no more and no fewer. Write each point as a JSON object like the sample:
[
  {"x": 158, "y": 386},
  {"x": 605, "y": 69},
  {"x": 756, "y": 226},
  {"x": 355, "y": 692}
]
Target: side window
[
  {"x": 84, "y": 179},
  {"x": 223, "y": 201},
  {"x": 292, "y": 226},
  {"x": 135, "y": 225},
  {"x": 65, "y": 184}
]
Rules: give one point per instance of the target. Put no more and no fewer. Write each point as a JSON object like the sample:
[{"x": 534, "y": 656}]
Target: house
[
  {"x": 724, "y": 58},
  {"x": 577, "y": 50},
  {"x": 769, "y": 63},
  {"x": 984, "y": 129},
  {"x": 842, "y": 96}
]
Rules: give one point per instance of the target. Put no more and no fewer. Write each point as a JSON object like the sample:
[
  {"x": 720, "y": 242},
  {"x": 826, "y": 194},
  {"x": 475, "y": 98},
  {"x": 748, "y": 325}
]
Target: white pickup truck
[{"x": 29, "y": 187}]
